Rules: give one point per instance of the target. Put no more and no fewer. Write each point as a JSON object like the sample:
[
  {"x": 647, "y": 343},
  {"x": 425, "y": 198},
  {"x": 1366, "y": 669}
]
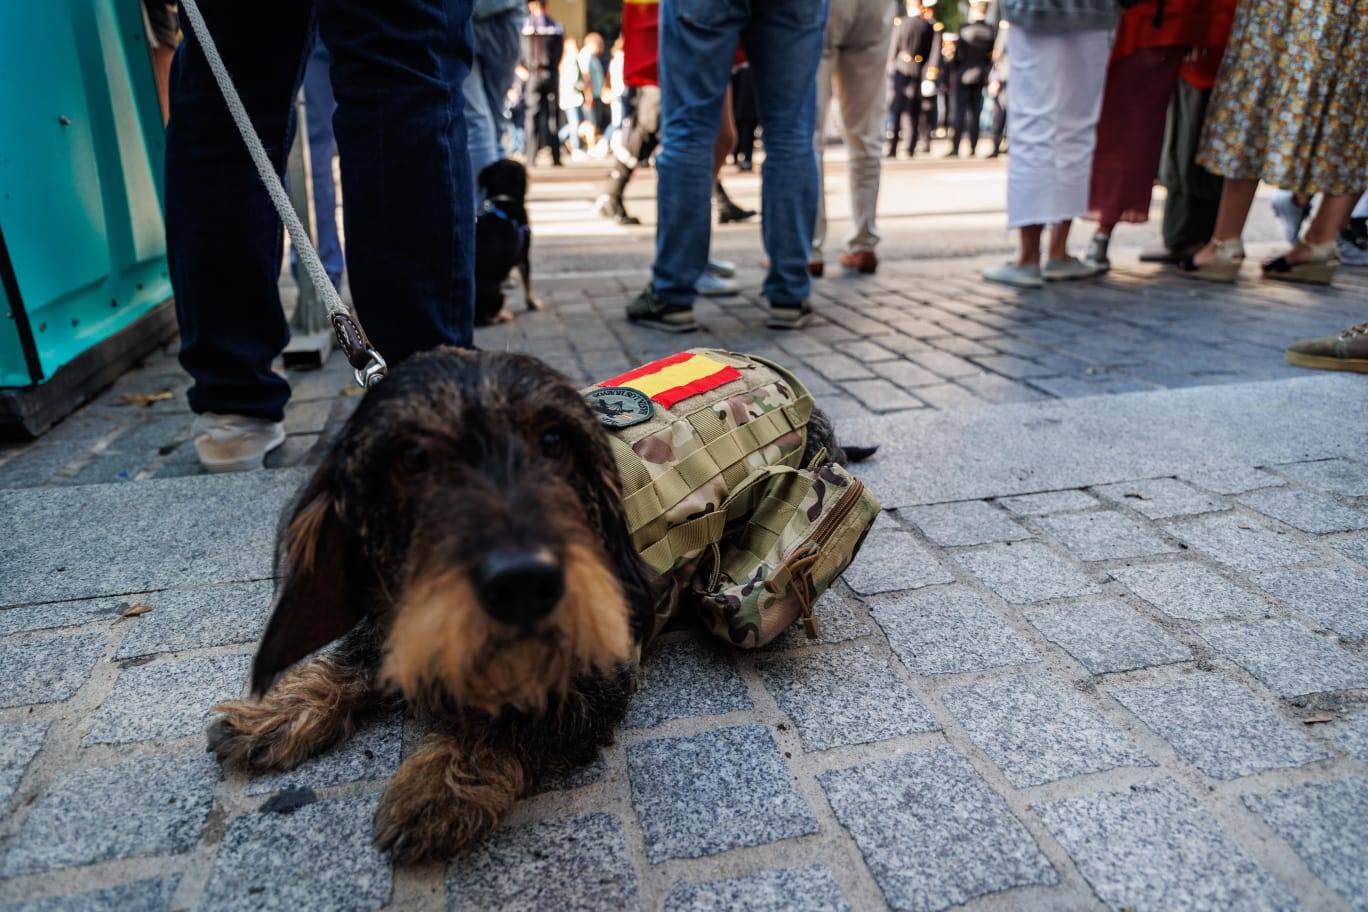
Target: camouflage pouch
[{"x": 802, "y": 528}]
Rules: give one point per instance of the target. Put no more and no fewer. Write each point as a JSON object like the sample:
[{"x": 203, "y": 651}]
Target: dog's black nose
[{"x": 520, "y": 587}]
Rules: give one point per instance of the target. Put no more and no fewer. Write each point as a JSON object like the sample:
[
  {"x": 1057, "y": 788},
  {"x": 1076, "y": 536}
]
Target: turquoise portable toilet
[{"x": 84, "y": 292}]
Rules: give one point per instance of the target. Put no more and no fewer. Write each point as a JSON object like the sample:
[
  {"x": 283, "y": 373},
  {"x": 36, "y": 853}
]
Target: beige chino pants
[{"x": 854, "y": 59}]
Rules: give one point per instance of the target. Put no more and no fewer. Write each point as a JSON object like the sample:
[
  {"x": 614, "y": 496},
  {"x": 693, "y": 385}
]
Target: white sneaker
[
  {"x": 234, "y": 443},
  {"x": 710, "y": 285},
  {"x": 723, "y": 269},
  {"x": 1014, "y": 275},
  {"x": 1069, "y": 269}
]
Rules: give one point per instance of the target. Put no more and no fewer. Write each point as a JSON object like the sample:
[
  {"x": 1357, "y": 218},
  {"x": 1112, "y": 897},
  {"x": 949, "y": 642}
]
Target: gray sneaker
[
  {"x": 1014, "y": 275},
  {"x": 1069, "y": 270},
  {"x": 234, "y": 443},
  {"x": 788, "y": 316},
  {"x": 723, "y": 269},
  {"x": 648, "y": 310}
]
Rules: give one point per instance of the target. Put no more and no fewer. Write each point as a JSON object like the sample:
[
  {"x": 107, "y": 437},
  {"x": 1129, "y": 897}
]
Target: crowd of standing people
[{"x": 1210, "y": 97}]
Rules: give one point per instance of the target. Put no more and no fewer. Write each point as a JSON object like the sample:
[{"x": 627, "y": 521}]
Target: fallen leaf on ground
[
  {"x": 145, "y": 399},
  {"x": 352, "y": 391},
  {"x": 1318, "y": 718},
  {"x": 137, "y": 609}
]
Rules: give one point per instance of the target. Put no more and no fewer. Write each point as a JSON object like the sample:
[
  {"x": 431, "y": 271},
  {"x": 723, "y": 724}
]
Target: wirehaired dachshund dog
[{"x": 465, "y": 541}]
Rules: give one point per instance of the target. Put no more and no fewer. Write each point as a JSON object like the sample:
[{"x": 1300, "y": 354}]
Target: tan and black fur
[{"x": 457, "y": 467}]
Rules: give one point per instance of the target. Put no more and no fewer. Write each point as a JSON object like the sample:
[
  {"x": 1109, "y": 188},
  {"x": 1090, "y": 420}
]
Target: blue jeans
[
  {"x": 319, "y": 106},
  {"x": 698, "y": 39},
  {"x": 397, "y": 70},
  {"x": 497, "y": 45}
]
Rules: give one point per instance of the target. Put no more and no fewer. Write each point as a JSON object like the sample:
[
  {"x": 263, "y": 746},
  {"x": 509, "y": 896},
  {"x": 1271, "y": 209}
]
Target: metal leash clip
[{"x": 373, "y": 372}]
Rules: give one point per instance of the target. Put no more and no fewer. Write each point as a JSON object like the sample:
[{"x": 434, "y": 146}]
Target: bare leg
[
  {"x": 451, "y": 792},
  {"x": 1330, "y": 217},
  {"x": 1237, "y": 196},
  {"x": 161, "y": 72},
  {"x": 726, "y": 134},
  {"x": 1059, "y": 240},
  {"x": 1030, "y": 245}
]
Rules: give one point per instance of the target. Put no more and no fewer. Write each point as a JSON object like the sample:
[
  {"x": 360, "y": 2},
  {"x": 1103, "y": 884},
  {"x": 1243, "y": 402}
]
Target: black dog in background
[{"x": 503, "y": 239}]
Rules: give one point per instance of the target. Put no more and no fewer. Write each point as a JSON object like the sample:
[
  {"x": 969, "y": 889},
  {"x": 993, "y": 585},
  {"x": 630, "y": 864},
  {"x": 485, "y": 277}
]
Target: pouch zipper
[{"x": 810, "y": 553}]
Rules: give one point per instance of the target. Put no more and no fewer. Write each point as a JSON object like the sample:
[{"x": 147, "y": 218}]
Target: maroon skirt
[{"x": 1130, "y": 133}]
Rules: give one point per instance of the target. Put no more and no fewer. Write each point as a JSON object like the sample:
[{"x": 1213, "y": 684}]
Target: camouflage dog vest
[{"x": 710, "y": 445}]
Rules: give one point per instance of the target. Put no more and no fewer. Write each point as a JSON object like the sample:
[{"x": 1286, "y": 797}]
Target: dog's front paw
[
  {"x": 417, "y": 823},
  {"x": 534, "y": 303},
  {"x": 261, "y": 736}
]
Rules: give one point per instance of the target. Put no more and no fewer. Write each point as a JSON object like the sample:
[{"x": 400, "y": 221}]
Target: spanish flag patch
[{"x": 676, "y": 378}]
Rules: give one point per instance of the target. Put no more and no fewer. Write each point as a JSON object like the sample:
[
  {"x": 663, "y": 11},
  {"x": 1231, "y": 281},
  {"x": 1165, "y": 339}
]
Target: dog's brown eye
[
  {"x": 413, "y": 459},
  {"x": 553, "y": 443}
]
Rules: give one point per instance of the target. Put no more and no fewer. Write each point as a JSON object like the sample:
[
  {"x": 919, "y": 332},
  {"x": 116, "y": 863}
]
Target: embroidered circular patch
[{"x": 620, "y": 406}]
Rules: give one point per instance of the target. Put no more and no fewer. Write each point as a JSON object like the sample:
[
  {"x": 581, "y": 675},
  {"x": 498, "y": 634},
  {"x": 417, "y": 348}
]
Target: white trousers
[
  {"x": 1057, "y": 81},
  {"x": 854, "y": 56}
]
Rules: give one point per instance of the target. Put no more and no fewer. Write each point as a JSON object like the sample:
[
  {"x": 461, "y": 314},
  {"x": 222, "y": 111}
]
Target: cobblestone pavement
[{"x": 1108, "y": 648}]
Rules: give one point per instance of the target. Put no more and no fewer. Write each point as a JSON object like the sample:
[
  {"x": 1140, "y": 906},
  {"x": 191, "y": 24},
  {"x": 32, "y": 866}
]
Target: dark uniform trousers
[
  {"x": 540, "y": 120},
  {"x": 906, "y": 102}
]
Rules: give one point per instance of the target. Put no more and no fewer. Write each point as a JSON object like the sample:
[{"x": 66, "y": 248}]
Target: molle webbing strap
[
  {"x": 696, "y": 534},
  {"x": 647, "y": 506}
]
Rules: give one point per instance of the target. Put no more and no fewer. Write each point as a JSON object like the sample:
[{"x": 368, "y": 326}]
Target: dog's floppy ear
[
  {"x": 317, "y": 599},
  {"x": 611, "y": 519}
]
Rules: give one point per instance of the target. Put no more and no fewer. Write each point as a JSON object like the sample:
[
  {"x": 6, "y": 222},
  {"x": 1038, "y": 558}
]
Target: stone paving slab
[
  {"x": 318, "y": 856},
  {"x": 151, "y": 895},
  {"x": 970, "y": 523},
  {"x": 1352, "y": 736},
  {"x": 840, "y": 698},
  {"x": 684, "y": 791},
  {"x": 197, "y": 618},
  {"x": 1104, "y": 535},
  {"x": 1291, "y": 660},
  {"x": 1030, "y": 447},
  {"x": 48, "y": 670},
  {"x": 1038, "y": 730},
  {"x": 809, "y": 889},
  {"x": 837, "y": 621},
  {"x": 1334, "y": 476},
  {"x": 1327, "y": 824},
  {"x": 687, "y": 678},
  {"x": 1334, "y": 597},
  {"x": 891, "y": 560},
  {"x": 167, "y": 700},
  {"x": 1161, "y": 498},
  {"x": 1027, "y": 572},
  {"x": 19, "y": 744},
  {"x": 1242, "y": 543},
  {"x": 128, "y": 810},
  {"x": 1153, "y": 847},
  {"x": 578, "y": 864},
  {"x": 1107, "y": 636},
  {"x": 100, "y": 540},
  {"x": 949, "y": 630},
  {"x": 1190, "y": 591},
  {"x": 1305, "y": 510},
  {"x": 1218, "y": 726},
  {"x": 932, "y": 832},
  {"x": 1048, "y": 502}
]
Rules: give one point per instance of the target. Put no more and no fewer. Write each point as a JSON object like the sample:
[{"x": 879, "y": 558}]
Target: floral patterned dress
[{"x": 1290, "y": 106}]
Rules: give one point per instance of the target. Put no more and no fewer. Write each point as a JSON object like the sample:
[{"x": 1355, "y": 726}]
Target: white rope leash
[{"x": 374, "y": 367}]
